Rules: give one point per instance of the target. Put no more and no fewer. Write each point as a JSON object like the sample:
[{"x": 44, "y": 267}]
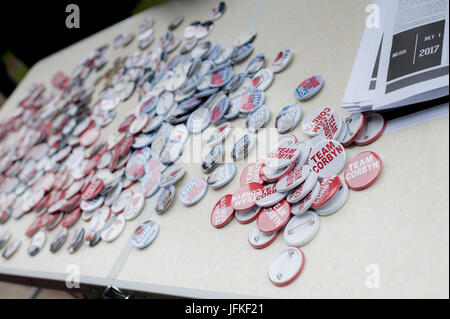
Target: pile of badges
[{"x": 298, "y": 181}]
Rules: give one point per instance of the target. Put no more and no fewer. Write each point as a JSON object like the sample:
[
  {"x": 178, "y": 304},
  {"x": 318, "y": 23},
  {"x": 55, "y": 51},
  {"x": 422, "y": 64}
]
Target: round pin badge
[
  {"x": 171, "y": 152},
  {"x": 212, "y": 159},
  {"x": 219, "y": 134},
  {"x": 303, "y": 189},
  {"x": 135, "y": 167},
  {"x": 114, "y": 230},
  {"x": 122, "y": 202},
  {"x": 327, "y": 158},
  {"x": 328, "y": 188},
  {"x": 331, "y": 127},
  {"x": 247, "y": 216},
  {"x": 219, "y": 110},
  {"x": 245, "y": 37},
  {"x": 262, "y": 79},
  {"x": 221, "y": 78},
  {"x": 222, "y": 175},
  {"x": 250, "y": 100},
  {"x": 145, "y": 234},
  {"x": 4, "y": 238},
  {"x": 165, "y": 199},
  {"x": 250, "y": 174},
  {"x": 199, "y": 120},
  {"x": 286, "y": 266},
  {"x": 222, "y": 212},
  {"x": 353, "y": 124},
  {"x": 172, "y": 177},
  {"x": 11, "y": 248},
  {"x": 309, "y": 87},
  {"x": 94, "y": 188},
  {"x": 150, "y": 183},
  {"x": 282, "y": 154},
  {"x": 224, "y": 56},
  {"x": 301, "y": 229},
  {"x": 295, "y": 177},
  {"x": 134, "y": 206},
  {"x": 288, "y": 118},
  {"x": 154, "y": 164},
  {"x": 335, "y": 203},
  {"x": 76, "y": 240},
  {"x": 256, "y": 64},
  {"x": 139, "y": 124},
  {"x": 373, "y": 128},
  {"x": 89, "y": 137},
  {"x": 165, "y": 103},
  {"x": 269, "y": 196},
  {"x": 312, "y": 123},
  {"x": 363, "y": 170},
  {"x": 91, "y": 205},
  {"x": 282, "y": 60},
  {"x": 245, "y": 197},
  {"x": 59, "y": 240},
  {"x": 257, "y": 119},
  {"x": 270, "y": 175},
  {"x": 260, "y": 240},
  {"x": 242, "y": 52},
  {"x": 243, "y": 146},
  {"x": 37, "y": 242},
  {"x": 71, "y": 218},
  {"x": 193, "y": 191},
  {"x": 274, "y": 218},
  {"x": 217, "y": 11}
]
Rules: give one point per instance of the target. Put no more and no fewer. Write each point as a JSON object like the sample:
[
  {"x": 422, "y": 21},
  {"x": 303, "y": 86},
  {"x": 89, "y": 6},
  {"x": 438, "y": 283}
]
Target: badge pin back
[
  {"x": 373, "y": 128},
  {"x": 286, "y": 266},
  {"x": 363, "y": 170},
  {"x": 260, "y": 240},
  {"x": 353, "y": 124},
  {"x": 301, "y": 229}
]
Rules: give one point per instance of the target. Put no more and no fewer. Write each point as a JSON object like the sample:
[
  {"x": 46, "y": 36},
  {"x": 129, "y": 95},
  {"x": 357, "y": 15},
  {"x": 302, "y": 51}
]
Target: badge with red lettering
[
  {"x": 274, "y": 218},
  {"x": 312, "y": 122},
  {"x": 363, "y": 170},
  {"x": 282, "y": 60},
  {"x": 244, "y": 198},
  {"x": 93, "y": 189},
  {"x": 114, "y": 230},
  {"x": 71, "y": 218},
  {"x": 259, "y": 240},
  {"x": 303, "y": 189},
  {"x": 135, "y": 166},
  {"x": 89, "y": 137},
  {"x": 150, "y": 183},
  {"x": 286, "y": 266},
  {"x": 126, "y": 123},
  {"x": 76, "y": 240},
  {"x": 269, "y": 196},
  {"x": 122, "y": 202},
  {"x": 219, "y": 110},
  {"x": 353, "y": 124},
  {"x": 373, "y": 128},
  {"x": 250, "y": 174},
  {"x": 282, "y": 156},
  {"x": 331, "y": 127},
  {"x": 328, "y": 188},
  {"x": 262, "y": 79},
  {"x": 138, "y": 124},
  {"x": 295, "y": 177},
  {"x": 134, "y": 207},
  {"x": 193, "y": 191},
  {"x": 327, "y": 158},
  {"x": 220, "y": 78},
  {"x": 219, "y": 134},
  {"x": 309, "y": 87},
  {"x": 335, "y": 203},
  {"x": 222, "y": 213}
]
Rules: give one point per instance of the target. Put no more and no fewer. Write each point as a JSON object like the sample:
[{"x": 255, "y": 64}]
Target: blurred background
[{"x": 32, "y": 30}]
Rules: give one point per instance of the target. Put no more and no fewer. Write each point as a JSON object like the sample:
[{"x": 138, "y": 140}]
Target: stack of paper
[{"x": 403, "y": 58}]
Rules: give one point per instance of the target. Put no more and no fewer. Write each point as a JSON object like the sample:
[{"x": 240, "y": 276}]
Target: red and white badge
[
  {"x": 270, "y": 175},
  {"x": 274, "y": 218},
  {"x": 114, "y": 230},
  {"x": 363, "y": 170},
  {"x": 122, "y": 202},
  {"x": 327, "y": 158},
  {"x": 328, "y": 188},
  {"x": 123, "y": 127},
  {"x": 247, "y": 216},
  {"x": 150, "y": 183},
  {"x": 244, "y": 198},
  {"x": 286, "y": 266},
  {"x": 71, "y": 218},
  {"x": 259, "y": 240},
  {"x": 250, "y": 174},
  {"x": 139, "y": 123},
  {"x": 373, "y": 128},
  {"x": 335, "y": 203},
  {"x": 89, "y": 137},
  {"x": 312, "y": 123},
  {"x": 269, "y": 196},
  {"x": 282, "y": 156},
  {"x": 222, "y": 212},
  {"x": 61, "y": 179},
  {"x": 295, "y": 177},
  {"x": 193, "y": 191},
  {"x": 134, "y": 208},
  {"x": 135, "y": 166},
  {"x": 354, "y": 124},
  {"x": 331, "y": 127},
  {"x": 114, "y": 139},
  {"x": 304, "y": 189},
  {"x": 94, "y": 188}
]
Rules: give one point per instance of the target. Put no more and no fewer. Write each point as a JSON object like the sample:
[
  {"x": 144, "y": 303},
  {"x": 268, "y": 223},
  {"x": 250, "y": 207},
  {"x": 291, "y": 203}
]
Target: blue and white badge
[
  {"x": 242, "y": 52},
  {"x": 221, "y": 78},
  {"x": 309, "y": 87},
  {"x": 256, "y": 64},
  {"x": 219, "y": 109},
  {"x": 288, "y": 118},
  {"x": 257, "y": 118}
]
